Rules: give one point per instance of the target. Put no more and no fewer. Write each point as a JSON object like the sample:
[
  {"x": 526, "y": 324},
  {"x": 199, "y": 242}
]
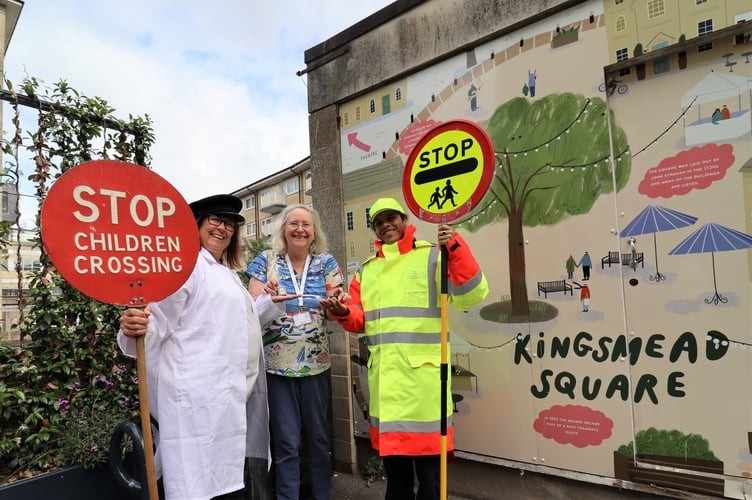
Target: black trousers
[{"x": 401, "y": 472}]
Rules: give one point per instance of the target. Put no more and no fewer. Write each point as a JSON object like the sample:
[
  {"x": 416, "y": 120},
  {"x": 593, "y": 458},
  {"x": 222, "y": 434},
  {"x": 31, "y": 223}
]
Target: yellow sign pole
[
  {"x": 444, "y": 370},
  {"x": 447, "y": 175}
]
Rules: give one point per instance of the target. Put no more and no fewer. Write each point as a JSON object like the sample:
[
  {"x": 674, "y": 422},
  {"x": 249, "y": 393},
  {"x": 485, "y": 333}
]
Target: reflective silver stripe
[
  {"x": 467, "y": 286},
  {"x": 403, "y": 338},
  {"x": 408, "y": 425},
  {"x": 402, "y": 312}
]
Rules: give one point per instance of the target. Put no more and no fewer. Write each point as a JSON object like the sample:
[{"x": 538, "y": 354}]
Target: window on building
[
  {"x": 621, "y": 23},
  {"x": 700, "y": 2},
  {"x": 352, "y": 249},
  {"x": 350, "y": 221},
  {"x": 398, "y": 94},
  {"x": 656, "y": 8},
  {"x": 308, "y": 184},
  {"x": 618, "y": 2},
  {"x": 703, "y": 28},
  {"x": 368, "y": 218},
  {"x": 291, "y": 186},
  {"x": 357, "y": 113},
  {"x": 371, "y": 247},
  {"x": 250, "y": 202},
  {"x": 346, "y": 118},
  {"x": 265, "y": 223},
  {"x": 372, "y": 106},
  {"x": 31, "y": 265},
  {"x": 623, "y": 55},
  {"x": 250, "y": 229}
]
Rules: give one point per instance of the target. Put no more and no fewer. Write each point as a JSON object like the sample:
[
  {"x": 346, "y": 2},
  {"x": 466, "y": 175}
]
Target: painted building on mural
[{"x": 644, "y": 182}]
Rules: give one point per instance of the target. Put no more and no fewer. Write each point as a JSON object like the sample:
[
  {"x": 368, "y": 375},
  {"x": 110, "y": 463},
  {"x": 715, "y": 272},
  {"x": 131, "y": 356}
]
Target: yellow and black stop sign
[{"x": 449, "y": 171}]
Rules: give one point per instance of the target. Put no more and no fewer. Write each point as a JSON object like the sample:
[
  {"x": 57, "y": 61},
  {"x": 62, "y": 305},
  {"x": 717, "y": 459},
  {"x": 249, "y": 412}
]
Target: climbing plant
[{"x": 66, "y": 385}]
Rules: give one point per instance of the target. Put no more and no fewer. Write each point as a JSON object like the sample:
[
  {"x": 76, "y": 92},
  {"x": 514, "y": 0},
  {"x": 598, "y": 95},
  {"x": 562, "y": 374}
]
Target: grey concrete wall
[
  {"x": 407, "y": 36},
  {"x": 401, "y": 39}
]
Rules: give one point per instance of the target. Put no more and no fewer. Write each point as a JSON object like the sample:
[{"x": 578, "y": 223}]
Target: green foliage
[
  {"x": 91, "y": 414},
  {"x": 374, "y": 470},
  {"x": 671, "y": 443},
  {"x": 252, "y": 249},
  {"x": 552, "y": 160},
  {"x": 67, "y": 385},
  {"x": 638, "y": 50},
  {"x": 255, "y": 247},
  {"x": 569, "y": 29}
]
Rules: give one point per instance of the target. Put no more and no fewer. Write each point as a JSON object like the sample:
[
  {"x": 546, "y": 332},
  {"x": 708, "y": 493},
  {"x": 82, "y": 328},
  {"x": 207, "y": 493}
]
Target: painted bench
[{"x": 554, "y": 286}]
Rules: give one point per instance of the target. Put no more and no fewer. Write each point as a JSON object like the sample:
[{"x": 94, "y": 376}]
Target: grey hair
[{"x": 279, "y": 245}]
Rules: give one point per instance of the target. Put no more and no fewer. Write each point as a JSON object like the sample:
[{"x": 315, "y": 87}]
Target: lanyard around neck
[{"x": 299, "y": 287}]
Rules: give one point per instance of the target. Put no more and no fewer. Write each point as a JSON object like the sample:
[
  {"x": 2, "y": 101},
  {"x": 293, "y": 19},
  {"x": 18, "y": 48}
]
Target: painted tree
[{"x": 553, "y": 161}]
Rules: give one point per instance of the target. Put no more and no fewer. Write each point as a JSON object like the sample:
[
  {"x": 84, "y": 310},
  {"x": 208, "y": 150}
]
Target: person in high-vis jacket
[{"x": 395, "y": 299}]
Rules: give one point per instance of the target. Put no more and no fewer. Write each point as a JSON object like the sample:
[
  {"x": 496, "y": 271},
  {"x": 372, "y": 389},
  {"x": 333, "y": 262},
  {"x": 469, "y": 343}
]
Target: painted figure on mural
[
  {"x": 472, "y": 94},
  {"x": 586, "y": 264},
  {"x": 585, "y": 298},
  {"x": 531, "y": 77},
  {"x": 570, "y": 265},
  {"x": 717, "y": 116}
]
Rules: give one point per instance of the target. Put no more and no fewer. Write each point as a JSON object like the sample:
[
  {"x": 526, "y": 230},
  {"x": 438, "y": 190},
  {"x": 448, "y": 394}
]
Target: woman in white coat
[{"x": 203, "y": 357}]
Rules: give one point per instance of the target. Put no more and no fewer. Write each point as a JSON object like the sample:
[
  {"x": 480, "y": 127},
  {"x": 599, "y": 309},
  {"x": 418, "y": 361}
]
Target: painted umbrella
[
  {"x": 712, "y": 238},
  {"x": 654, "y": 219}
]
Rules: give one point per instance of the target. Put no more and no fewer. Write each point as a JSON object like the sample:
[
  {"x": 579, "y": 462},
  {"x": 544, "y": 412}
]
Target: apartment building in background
[
  {"x": 20, "y": 249},
  {"x": 263, "y": 200},
  {"x": 19, "y": 242}
]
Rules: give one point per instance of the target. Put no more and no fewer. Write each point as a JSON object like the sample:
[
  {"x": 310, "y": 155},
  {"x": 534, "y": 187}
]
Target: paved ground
[
  {"x": 476, "y": 481},
  {"x": 471, "y": 480}
]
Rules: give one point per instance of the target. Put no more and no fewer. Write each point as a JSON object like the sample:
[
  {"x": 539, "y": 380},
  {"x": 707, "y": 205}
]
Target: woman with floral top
[{"x": 296, "y": 348}]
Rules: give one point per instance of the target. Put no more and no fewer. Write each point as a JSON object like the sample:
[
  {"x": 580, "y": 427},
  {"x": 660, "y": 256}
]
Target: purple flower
[
  {"x": 63, "y": 405},
  {"x": 107, "y": 382},
  {"x": 95, "y": 448}
]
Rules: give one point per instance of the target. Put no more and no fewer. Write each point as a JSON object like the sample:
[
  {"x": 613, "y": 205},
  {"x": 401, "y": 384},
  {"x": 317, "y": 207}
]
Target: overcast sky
[{"x": 217, "y": 78}]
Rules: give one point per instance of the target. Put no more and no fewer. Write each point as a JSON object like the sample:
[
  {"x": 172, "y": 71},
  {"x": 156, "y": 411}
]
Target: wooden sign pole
[{"x": 143, "y": 396}]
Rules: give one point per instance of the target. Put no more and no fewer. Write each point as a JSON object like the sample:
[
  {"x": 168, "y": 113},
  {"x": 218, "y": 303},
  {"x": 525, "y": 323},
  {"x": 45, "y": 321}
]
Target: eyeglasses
[
  {"x": 230, "y": 226},
  {"x": 296, "y": 225}
]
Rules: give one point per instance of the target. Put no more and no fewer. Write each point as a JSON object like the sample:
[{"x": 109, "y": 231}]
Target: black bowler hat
[{"x": 219, "y": 204}]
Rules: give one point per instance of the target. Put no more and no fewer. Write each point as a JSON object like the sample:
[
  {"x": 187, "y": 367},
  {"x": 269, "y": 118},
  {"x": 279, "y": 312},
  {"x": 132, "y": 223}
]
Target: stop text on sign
[{"x": 161, "y": 208}]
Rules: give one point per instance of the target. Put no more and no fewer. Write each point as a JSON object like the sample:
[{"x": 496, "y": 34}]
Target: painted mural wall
[{"x": 615, "y": 236}]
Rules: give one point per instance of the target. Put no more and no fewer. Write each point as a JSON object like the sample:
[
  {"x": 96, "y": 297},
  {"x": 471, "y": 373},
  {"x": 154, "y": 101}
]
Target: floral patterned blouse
[{"x": 296, "y": 348}]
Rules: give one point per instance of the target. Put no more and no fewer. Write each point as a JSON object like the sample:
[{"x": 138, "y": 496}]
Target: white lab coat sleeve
[
  {"x": 159, "y": 327},
  {"x": 128, "y": 344},
  {"x": 267, "y": 309},
  {"x": 258, "y": 444}
]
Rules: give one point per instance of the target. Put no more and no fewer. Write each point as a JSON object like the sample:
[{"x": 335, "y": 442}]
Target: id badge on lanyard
[{"x": 302, "y": 317}]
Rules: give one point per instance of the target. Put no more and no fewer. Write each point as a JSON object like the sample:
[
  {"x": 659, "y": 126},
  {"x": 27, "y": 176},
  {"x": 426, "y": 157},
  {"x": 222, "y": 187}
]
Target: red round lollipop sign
[{"x": 119, "y": 233}]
